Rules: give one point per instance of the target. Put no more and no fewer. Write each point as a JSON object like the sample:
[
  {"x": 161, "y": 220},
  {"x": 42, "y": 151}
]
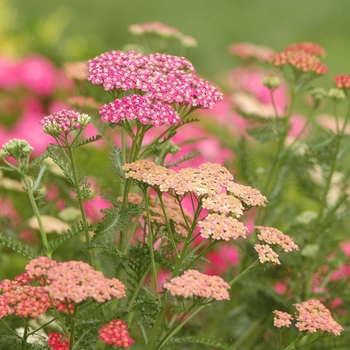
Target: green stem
[
  {"x": 37, "y": 215},
  {"x": 80, "y": 202}
]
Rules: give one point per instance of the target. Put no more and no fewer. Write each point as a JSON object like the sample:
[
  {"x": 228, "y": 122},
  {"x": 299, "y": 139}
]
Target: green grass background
[{"x": 101, "y": 25}]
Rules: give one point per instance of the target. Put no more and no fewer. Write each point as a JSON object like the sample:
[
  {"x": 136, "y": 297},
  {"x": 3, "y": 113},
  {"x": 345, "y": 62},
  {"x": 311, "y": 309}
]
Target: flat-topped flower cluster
[{"x": 162, "y": 77}]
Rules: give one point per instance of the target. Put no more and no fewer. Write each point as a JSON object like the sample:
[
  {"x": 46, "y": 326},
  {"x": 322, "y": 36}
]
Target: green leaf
[
  {"x": 18, "y": 246},
  {"x": 182, "y": 159},
  {"x": 115, "y": 158}
]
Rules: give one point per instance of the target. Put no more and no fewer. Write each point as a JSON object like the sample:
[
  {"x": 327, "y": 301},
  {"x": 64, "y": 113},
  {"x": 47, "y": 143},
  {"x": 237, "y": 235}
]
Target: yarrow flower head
[
  {"x": 22, "y": 300},
  {"x": 303, "y": 56},
  {"x": 116, "y": 333},
  {"x": 74, "y": 281},
  {"x": 64, "y": 121},
  {"x": 57, "y": 342},
  {"x": 164, "y": 77},
  {"x": 266, "y": 254},
  {"x": 271, "y": 235},
  {"x": 342, "y": 81},
  {"x": 282, "y": 319},
  {"x": 194, "y": 283},
  {"x": 141, "y": 108},
  {"x": 18, "y": 149},
  {"x": 313, "y": 316}
]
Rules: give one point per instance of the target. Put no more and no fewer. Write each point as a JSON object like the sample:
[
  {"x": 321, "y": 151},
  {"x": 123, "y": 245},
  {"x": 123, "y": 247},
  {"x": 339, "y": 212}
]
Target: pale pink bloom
[
  {"x": 38, "y": 74},
  {"x": 282, "y": 319},
  {"x": 246, "y": 51},
  {"x": 313, "y": 316},
  {"x": 194, "y": 283}
]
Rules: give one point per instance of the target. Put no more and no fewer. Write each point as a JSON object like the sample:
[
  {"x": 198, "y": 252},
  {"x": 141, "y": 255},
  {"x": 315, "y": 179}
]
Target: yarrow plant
[{"x": 143, "y": 272}]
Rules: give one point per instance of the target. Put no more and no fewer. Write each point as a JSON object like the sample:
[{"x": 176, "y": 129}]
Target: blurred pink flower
[
  {"x": 38, "y": 74},
  {"x": 8, "y": 73},
  {"x": 222, "y": 259}
]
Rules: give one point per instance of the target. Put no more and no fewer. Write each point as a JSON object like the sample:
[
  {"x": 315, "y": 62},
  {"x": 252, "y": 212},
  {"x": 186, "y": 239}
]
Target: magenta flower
[
  {"x": 141, "y": 108},
  {"x": 167, "y": 78},
  {"x": 64, "y": 121}
]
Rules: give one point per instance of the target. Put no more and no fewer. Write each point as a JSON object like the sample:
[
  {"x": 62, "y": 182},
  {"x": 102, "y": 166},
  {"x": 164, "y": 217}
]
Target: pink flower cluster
[
  {"x": 116, "y": 332},
  {"x": 272, "y": 236},
  {"x": 194, "y": 283},
  {"x": 74, "y": 281},
  {"x": 312, "y": 316},
  {"x": 141, "y": 108},
  {"x": 22, "y": 299},
  {"x": 64, "y": 121},
  {"x": 163, "y": 77}
]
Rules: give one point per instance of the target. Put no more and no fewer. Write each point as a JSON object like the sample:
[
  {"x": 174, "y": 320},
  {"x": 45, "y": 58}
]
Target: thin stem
[
  {"x": 37, "y": 215},
  {"x": 80, "y": 201}
]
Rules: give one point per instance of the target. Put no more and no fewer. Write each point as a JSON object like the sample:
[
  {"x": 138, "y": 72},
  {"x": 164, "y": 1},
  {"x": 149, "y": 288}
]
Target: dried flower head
[
  {"x": 313, "y": 316},
  {"x": 64, "y": 121},
  {"x": 141, "y": 108},
  {"x": 282, "y": 319},
  {"x": 18, "y": 149},
  {"x": 194, "y": 283},
  {"x": 342, "y": 81},
  {"x": 271, "y": 235},
  {"x": 116, "y": 333}
]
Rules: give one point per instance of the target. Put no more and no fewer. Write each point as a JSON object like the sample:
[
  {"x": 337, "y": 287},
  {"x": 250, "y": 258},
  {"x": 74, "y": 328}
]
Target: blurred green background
[{"x": 82, "y": 29}]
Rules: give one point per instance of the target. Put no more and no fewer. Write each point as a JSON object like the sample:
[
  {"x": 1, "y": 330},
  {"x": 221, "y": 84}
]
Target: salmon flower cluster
[{"x": 305, "y": 57}]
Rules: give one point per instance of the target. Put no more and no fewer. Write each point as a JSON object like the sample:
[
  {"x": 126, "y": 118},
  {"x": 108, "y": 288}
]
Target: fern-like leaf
[
  {"x": 209, "y": 341},
  {"x": 89, "y": 140},
  {"x": 115, "y": 158},
  {"x": 18, "y": 246},
  {"x": 182, "y": 159},
  {"x": 57, "y": 242}
]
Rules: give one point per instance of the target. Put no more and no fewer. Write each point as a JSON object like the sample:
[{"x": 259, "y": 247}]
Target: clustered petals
[
  {"x": 57, "y": 342},
  {"x": 64, "y": 121},
  {"x": 75, "y": 281},
  {"x": 303, "y": 56},
  {"x": 271, "y": 235},
  {"x": 163, "y": 77},
  {"x": 342, "y": 81},
  {"x": 212, "y": 184},
  {"x": 194, "y": 283},
  {"x": 282, "y": 319},
  {"x": 141, "y": 108},
  {"x": 313, "y": 316},
  {"x": 116, "y": 332}
]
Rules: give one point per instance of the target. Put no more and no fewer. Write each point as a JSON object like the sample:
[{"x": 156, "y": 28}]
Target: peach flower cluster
[{"x": 194, "y": 283}]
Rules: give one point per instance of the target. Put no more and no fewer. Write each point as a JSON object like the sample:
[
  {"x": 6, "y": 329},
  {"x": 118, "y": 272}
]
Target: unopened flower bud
[
  {"x": 336, "y": 94},
  {"x": 271, "y": 81},
  {"x": 17, "y": 149},
  {"x": 318, "y": 94}
]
